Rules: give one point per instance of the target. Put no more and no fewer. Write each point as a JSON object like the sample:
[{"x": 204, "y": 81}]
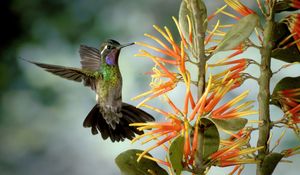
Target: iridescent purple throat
[{"x": 112, "y": 57}]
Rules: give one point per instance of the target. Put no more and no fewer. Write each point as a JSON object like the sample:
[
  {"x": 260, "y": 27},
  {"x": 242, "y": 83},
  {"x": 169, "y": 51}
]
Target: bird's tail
[{"x": 130, "y": 114}]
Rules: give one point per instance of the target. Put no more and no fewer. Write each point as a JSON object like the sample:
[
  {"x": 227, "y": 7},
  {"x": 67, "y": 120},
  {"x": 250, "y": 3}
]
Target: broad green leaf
[
  {"x": 186, "y": 10},
  {"x": 176, "y": 154},
  {"x": 290, "y": 54},
  {"x": 211, "y": 137},
  {"x": 231, "y": 124},
  {"x": 183, "y": 12},
  {"x": 287, "y": 83},
  {"x": 270, "y": 162},
  {"x": 238, "y": 33},
  {"x": 283, "y": 84},
  {"x": 127, "y": 163}
]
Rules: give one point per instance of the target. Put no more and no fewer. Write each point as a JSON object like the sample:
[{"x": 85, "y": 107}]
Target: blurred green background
[{"x": 41, "y": 115}]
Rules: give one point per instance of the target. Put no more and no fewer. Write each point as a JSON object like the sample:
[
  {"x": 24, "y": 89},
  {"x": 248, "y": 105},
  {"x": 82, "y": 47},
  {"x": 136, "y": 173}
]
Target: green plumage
[{"x": 100, "y": 71}]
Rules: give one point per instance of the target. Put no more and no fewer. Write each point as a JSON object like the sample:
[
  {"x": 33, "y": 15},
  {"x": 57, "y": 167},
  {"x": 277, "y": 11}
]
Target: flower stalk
[
  {"x": 264, "y": 89},
  {"x": 200, "y": 30}
]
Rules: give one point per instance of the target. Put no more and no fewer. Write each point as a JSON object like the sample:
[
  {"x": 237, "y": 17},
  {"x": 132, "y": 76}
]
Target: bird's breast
[{"x": 109, "y": 88}]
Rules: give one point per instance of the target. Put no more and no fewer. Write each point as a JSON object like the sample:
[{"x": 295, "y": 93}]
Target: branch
[{"x": 264, "y": 89}]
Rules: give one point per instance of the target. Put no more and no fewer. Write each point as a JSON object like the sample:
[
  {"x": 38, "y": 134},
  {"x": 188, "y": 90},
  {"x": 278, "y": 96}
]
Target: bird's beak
[{"x": 125, "y": 45}]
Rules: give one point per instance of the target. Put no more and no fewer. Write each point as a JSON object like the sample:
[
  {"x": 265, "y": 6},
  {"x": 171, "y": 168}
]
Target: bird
[{"x": 100, "y": 71}]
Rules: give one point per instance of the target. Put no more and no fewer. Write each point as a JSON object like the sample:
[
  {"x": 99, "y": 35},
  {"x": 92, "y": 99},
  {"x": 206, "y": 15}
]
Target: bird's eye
[{"x": 108, "y": 47}]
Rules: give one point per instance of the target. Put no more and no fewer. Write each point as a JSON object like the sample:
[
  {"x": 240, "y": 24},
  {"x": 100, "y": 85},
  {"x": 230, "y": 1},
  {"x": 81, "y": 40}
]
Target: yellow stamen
[
  {"x": 153, "y": 137},
  {"x": 166, "y": 36},
  {"x": 153, "y": 159},
  {"x": 175, "y": 47},
  {"x": 231, "y": 102},
  {"x": 249, "y": 150},
  {"x": 270, "y": 138},
  {"x": 143, "y": 94},
  {"x": 138, "y": 137},
  {"x": 190, "y": 29},
  {"x": 286, "y": 39},
  {"x": 291, "y": 44},
  {"x": 212, "y": 33},
  {"x": 157, "y": 110},
  {"x": 255, "y": 121},
  {"x": 150, "y": 47},
  {"x": 216, "y": 12},
  {"x": 158, "y": 41},
  {"x": 179, "y": 30},
  {"x": 230, "y": 15}
]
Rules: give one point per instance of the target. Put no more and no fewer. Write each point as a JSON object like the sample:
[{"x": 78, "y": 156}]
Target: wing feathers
[
  {"x": 130, "y": 114},
  {"x": 90, "y": 58},
  {"x": 69, "y": 73}
]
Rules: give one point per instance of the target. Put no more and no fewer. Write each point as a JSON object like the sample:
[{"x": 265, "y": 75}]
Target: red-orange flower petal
[{"x": 239, "y": 7}]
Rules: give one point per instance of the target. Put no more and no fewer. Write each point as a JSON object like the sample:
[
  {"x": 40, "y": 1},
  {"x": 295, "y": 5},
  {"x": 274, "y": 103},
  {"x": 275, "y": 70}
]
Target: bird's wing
[
  {"x": 69, "y": 73},
  {"x": 90, "y": 58}
]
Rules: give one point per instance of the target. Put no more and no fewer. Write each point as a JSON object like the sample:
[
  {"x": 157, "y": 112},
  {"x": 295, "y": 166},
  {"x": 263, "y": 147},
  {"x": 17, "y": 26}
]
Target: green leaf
[
  {"x": 287, "y": 83},
  {"x": 211, "y": 138},
  {"x": 284, "y": 84},
  {"x": 238, "y": 33},
  {"x": 284, "y": 6},
  {"x": 176, "y": 154},
  {"x": 185, "y": 10},
  {"x": 231, "y": 124},
  {"x": 127, "y": 163},
  {"x": 270, "y": 162},
  {"x": 290, "y": 54}
]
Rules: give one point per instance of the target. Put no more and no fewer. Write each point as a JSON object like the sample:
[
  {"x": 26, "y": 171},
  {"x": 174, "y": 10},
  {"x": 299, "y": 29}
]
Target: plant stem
[
  {"x": 264, "y": 91},
  {"x": 201, "y": 57}
]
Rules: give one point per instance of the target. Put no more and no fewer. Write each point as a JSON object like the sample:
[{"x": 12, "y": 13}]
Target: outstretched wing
[
  {"x": 69, "y": 73},
  {"x": 90, "y": 58}
]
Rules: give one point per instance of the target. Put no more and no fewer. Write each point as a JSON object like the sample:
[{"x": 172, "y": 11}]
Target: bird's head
[{"x": 110, "y": 51}]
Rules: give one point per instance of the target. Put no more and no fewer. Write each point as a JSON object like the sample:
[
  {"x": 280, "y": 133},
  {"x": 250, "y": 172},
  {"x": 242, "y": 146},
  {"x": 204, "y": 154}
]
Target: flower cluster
[
  {"x": 293, "y": 23},
  {"x": 235, "y": 71},
  {"x": 239, "y": 7},
  {"x": 170, "y": 70},
  {"x": 294, "y": 3},
  {"x": 235, "y": 150},
  {"x": 190, "y": 120},
  {"x": 289, "y": 100}
]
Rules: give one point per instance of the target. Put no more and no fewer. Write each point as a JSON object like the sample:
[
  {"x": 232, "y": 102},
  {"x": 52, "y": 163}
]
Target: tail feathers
[{"x": 130, "y": 114}]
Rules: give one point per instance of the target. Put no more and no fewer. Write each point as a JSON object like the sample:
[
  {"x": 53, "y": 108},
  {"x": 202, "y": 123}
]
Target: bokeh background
[{"x": 41, "y": 115}]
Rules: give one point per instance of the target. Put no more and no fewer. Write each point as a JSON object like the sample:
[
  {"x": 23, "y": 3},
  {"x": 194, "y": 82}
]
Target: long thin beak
[{"x": 125, "y": 45}]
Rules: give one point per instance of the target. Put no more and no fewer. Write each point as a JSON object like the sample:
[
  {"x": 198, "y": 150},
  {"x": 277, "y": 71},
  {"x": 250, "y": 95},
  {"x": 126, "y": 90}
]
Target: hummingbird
[{"x": 100, "y": 71}]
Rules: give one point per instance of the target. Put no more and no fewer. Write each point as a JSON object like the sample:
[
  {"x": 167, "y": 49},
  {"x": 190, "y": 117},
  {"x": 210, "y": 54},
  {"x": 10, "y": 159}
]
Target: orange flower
[
  {"x": 180, "y": 120},
  {"x": 238, "y": 168},
  {"x": 293, "y": 23},
  {"x": 235, "y": 153},
  {"x": 168, "y": 130},
  {"x": 292, "y": 151},
  {"x": 289, "y": 100},
  {"x": 164, "y": 80},
  {"x": 207, "y": 103},
  {"x": 294, "y": 113},
  {"x": 295, "y": 4},
  {"x": 234, "y": 72},
  {"x": 239, "y": 7}
]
